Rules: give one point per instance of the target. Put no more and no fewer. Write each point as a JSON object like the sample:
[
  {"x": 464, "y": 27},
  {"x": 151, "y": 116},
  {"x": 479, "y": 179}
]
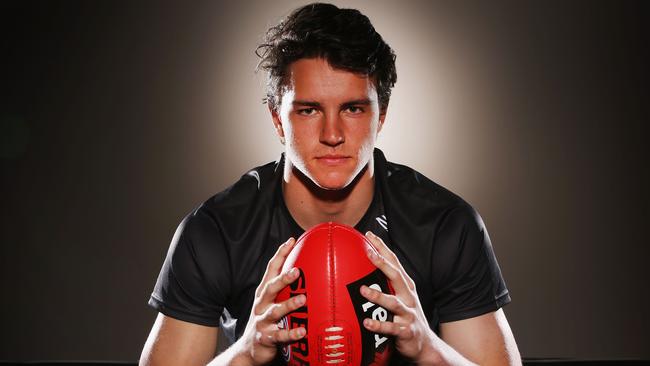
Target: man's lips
[{"x": 332, "y": 159}]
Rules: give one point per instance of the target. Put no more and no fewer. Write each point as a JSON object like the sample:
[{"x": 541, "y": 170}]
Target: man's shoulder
[
  {"x": 251, "y": 186},
  {"x": 412, "y": 199},
  {"x": 409, "y": 185},
  {"x": 241, "y": 202}
]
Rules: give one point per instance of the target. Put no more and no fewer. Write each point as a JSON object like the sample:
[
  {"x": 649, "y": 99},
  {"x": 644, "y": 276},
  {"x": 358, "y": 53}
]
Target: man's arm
[
  {"x": 485, "y": 339},
  {"x": 176, "y": 342}
]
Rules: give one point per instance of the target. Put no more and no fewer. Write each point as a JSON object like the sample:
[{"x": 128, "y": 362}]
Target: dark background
[{"x": 117, "y": 119}]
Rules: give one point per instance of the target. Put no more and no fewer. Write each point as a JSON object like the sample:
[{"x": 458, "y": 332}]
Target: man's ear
[
  {"x": 382, "y": 117},
  {"x": 277, "y": 122}
]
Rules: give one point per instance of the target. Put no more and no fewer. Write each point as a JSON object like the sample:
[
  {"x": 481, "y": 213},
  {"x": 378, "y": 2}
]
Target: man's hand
[
  {"x": 258, "y": 344},
  {"x": 413, "y": 337},
  {"x": 485, "y": 339}
]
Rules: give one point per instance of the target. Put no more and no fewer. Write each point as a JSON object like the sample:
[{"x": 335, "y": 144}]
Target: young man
[{"x": 330, "y": 76}]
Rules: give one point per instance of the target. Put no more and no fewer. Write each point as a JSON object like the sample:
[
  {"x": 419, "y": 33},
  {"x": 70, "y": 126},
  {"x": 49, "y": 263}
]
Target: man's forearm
[
  {"x": 232, "y": 356},
  {"x": 437, "y": 352}
]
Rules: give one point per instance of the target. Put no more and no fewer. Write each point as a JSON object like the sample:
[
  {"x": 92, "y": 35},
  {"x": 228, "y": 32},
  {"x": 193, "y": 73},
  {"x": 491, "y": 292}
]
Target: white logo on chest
[{"x": 383, "y": 222}]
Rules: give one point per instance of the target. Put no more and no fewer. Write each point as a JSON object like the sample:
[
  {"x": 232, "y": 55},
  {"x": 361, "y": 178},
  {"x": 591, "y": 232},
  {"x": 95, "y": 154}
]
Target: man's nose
[{"x": 332, "y": 130}]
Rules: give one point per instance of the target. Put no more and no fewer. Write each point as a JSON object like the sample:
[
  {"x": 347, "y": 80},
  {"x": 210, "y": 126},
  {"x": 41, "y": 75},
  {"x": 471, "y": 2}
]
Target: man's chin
[
  {"x": 336, "y": 180},
  {"x": 332, "y": 185}
]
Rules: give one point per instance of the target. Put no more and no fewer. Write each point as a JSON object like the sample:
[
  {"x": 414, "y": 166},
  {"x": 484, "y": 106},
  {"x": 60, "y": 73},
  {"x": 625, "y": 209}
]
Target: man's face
[{"x": 329, "y": 120}]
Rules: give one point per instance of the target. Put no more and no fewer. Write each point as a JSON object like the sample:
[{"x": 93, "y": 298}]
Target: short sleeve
[
  {"x": 194, "y": 280},
  {"x": 466, "y": 276}
]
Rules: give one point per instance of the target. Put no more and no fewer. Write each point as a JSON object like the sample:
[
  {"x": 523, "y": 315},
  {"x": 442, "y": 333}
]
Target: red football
[{"x": 333, "y": 265}]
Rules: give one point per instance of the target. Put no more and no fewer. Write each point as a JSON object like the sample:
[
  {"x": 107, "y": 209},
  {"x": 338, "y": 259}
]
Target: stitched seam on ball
[{"x": 332, "y": 271}]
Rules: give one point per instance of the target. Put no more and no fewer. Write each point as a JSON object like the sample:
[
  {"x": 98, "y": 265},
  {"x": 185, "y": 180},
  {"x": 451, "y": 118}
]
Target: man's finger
[
  {"x": 398, "y": 330},
  {"x": 288, "y": 336},
  {"x": 274, "y": 266},
  {"x": 275, "y": 312},
  {"x": 271, "y": 338},
  {"x": 276, "y": 284},
  {"x": 384, "y": 251},
  {"x": 387, "y": 301},
  {"x": 276, "y": 262},
  {"x": 271, "y": 289},
  {"x": 381, "y": 247},
  {"x": 394, "y": 275}
]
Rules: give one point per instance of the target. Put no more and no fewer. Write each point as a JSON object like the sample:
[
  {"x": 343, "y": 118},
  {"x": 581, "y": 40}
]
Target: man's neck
[{"x": 310, "y": 205}]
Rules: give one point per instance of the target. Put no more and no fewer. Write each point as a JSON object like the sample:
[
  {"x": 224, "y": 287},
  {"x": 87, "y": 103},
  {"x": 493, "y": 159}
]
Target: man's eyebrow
[
  {"x": 365, "y": 101},
  {"x": 307, "y": 103}
]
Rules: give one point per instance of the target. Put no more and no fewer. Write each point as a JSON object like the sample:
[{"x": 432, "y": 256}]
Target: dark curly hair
[{"x": 344, "y": 37}]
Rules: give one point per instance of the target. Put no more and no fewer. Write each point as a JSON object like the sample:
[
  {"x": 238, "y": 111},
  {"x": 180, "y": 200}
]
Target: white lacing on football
[
  {"x": 333, "y": 329},
  {"x": 337, "y": 354},
  {"x": 333, "y": 338},
  {"x": 334, "y": 347}
]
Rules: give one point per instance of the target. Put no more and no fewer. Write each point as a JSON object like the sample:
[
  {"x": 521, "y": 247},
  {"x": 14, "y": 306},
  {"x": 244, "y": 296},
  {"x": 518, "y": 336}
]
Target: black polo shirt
[{"x": 219, "y": 252}]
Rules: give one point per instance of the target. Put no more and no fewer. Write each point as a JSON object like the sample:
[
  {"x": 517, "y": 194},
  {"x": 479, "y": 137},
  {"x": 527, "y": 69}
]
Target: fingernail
[
  {"x": 367, "y": 322},
  {"x": 301, "y": 332},
  {"x": 369, "y": 233},
  {"x": 300, "y": 299},
  {"x": 294, "y": 272},
  {"x": 364, "y": 290},
  {"x": 371, "y": 254}
]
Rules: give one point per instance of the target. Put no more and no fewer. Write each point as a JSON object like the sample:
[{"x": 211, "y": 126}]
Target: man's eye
[
  {"x": 355, "y": 110},
  {"x": 307, "y": 111}
]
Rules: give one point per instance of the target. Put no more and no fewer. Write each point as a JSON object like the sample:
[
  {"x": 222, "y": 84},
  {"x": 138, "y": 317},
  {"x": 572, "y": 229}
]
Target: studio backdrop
[{"x": 119, "y": 118}]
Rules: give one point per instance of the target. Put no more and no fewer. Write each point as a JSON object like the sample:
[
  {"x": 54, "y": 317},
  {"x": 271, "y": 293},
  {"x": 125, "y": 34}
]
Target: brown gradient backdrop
[{"x": 118, "y": 119}]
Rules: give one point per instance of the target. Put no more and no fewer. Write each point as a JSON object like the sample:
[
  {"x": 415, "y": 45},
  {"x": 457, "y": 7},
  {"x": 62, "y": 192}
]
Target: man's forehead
[{"x": 313, "y": 78}]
